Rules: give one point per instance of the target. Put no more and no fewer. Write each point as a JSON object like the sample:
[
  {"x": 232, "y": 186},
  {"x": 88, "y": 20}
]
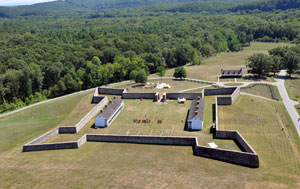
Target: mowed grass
[
  {"x": 259, "y": 90},
  {"x": 293, "y": 86},
  {"x": 115, "y": 165},
  {"x": 210, "y": 68},
  {"x": 260, "y": 122},
  {"x": 22, "y": 127},
  {"x": 176, "y": 86},
  {"x": 172, "y": 115}
]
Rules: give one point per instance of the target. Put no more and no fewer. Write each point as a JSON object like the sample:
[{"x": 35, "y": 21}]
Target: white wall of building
[
  {"x": 195, "y": 124},
  {"x": 100, "y": 121}
]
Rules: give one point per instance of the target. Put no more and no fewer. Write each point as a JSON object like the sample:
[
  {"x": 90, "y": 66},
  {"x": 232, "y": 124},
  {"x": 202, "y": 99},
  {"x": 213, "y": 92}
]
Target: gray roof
[
  {"x": 111, "y": 107},
  {"x": 232, "y": 72},
  {"x": 197, "y": 109}
]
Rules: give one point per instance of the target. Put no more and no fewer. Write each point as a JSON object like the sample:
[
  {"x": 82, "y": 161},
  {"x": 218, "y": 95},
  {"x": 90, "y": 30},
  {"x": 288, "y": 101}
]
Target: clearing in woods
[{"x": 210, "y": 68}]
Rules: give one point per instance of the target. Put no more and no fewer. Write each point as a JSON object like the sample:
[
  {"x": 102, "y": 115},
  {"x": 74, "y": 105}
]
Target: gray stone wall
[
  {"x": 52, "y": 146},
  {"x": 220, "y": 91},
  {"x": 162, "y": 140},
  {"x": 240, "y": 158},
  {"x": 138, "y": 95},
  {"x": 67, "y": 130},
  {"x": 45, "y": 136},
  {"x": 82, "y": 140},
  {"x": 188, "y": 96},
  {"x": 110, "y": 91},
  {"x": 224, "y": 100},
  {"x": 235, "y": 94}
]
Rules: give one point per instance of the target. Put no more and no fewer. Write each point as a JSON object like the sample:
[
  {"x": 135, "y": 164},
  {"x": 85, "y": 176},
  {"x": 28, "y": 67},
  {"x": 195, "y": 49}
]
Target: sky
[{"x": 21, "y": 2}]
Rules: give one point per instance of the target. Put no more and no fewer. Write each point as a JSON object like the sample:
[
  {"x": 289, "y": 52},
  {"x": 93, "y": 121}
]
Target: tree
[
  {"x": 259, "y": 64},
  {"x": 133, "y": 75},
  {"x": 291, "y": 61},
  {"x": 161, "y": 70},
  {"x": 184, "y": 54},
  {"x": 141, "y": 77},
  {"x": 276, "y": 64},
  {"x": 180, "y": 72}
]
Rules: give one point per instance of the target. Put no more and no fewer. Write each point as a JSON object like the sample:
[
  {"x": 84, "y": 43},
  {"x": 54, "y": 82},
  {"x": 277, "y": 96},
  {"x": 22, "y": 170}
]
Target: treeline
[
  {"x": 278, "y": 58},
  {"x": 267, "y": 5}
]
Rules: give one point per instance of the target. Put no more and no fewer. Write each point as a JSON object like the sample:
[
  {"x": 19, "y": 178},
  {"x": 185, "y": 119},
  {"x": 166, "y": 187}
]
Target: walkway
[{"x": 288, "y": 103}]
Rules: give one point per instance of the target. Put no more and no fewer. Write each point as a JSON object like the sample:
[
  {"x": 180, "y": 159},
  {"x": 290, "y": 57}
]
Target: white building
[
  {"x": 196, "y": 115},
  {"x": 110, "y": 111}
]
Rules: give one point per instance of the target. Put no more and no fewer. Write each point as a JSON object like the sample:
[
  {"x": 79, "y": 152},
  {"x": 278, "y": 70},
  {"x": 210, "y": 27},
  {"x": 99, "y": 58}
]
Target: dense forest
[{"x": 47, "y": 52}]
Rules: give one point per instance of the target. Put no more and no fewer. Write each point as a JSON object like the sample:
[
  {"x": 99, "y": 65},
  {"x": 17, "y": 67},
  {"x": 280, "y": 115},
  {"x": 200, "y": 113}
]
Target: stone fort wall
[
  {"x": 110, "y": 91},
  {"x": 188, "y": 96},
  {"x": 138, "y": 95}
]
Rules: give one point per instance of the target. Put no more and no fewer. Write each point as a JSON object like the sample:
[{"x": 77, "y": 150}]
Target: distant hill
[
  {"x": 83, "y": 6},
  {"x": 68, "y": 7}
]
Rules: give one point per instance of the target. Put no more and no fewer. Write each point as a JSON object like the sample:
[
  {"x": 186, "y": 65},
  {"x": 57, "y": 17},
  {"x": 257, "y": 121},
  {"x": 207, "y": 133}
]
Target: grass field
[
  {"x": 210, "y": 68},
  {"x": 176, "y": 86},
  {"x": 293, "y": 86},
  {"x": 260, "y": 122},
  {"x": 259, "y": 90},
  {"x": 111, "y": 165}
]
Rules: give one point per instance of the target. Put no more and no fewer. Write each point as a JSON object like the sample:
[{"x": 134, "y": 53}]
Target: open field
[
  {"x": 176, "y": 86},
  {"x": 260, "y": 122},
  {"x": 210, "y": 68},
  {"x": 111, "y": 165},
  {"x": 293, "y": 86}
]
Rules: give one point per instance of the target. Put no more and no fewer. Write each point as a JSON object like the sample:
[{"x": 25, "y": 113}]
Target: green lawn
[
  {"x": 260, "y": 123},
  {"x": 114, "y": 165},
  {"x": 210, "y": 68},
  {"x": 293, "y": 86},
  {"x": 259, "y": 90}
]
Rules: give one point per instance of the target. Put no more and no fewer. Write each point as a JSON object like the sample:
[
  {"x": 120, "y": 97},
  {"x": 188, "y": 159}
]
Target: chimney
[
  {"x": 198, "y": 102},
  {"x": 196, "y": 112},
  {"x": 105, "y": 106},
  {"x": 101, "y": 111},
  {"x": 197, "y": 107}
]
